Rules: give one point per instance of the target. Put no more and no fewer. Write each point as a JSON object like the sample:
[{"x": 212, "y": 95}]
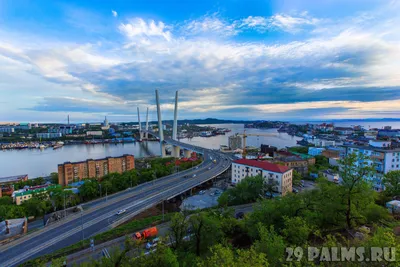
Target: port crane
[{"x": 245, "y": 135}]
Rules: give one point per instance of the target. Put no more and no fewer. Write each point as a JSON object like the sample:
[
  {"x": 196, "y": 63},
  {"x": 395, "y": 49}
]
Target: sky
[{"x": 253, "y": 59}]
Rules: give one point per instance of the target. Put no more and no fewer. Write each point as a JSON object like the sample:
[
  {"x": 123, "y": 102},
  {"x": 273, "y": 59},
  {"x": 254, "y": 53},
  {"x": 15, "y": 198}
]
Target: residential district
[{"x": 325, "y": 155}]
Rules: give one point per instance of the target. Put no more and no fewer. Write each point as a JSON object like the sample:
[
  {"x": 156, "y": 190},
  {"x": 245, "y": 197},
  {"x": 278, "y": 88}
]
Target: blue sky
[{"x": 255, "y": 59}]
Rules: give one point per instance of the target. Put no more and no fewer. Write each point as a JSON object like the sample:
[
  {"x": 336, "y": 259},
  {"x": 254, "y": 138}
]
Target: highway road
[
  {"x": 100, "y": 217},
  {"x": 163, "y": 230}
]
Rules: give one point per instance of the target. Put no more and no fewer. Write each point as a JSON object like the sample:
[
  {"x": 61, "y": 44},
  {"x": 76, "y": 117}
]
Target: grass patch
[{"x": 119, "y": 231}]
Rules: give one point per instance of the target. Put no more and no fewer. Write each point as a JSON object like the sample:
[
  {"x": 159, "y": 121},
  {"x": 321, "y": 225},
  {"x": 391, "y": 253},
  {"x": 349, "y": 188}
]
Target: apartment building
[
  {"x": 27, "y": 193},
  {"x": 243, "y": 168},
  {"x": 297, "y": 161},
  {"x": 382, "y": 155},
  {"x": 76, "y": 171}
]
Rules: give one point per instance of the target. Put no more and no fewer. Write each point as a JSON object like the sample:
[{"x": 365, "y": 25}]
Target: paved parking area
[
  {"x": 201, "y": 201},
  {"x": 308, "y": 185}
]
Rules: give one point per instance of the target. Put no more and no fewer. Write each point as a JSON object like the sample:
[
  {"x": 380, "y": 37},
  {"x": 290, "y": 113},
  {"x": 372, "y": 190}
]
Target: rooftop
[
  {"x": 84, "y": 161},
  {"x": 15, "y": 178},
  {"x": 380, "y": 149},
  {"x": 303, "y": 156},
  {"x": 265, "y": 165}
]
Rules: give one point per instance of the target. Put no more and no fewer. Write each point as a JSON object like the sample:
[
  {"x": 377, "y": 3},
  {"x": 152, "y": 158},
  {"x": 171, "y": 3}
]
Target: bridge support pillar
[
  {"x": 176, "y": 151},
  {"x": 188, "y": 153},
  {"x": 163, "y": 153}
]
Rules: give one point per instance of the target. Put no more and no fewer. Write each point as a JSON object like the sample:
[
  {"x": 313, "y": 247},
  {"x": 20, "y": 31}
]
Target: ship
[
  {"x": 206, "y": 134},
  {"x": 59, "y": 144}
]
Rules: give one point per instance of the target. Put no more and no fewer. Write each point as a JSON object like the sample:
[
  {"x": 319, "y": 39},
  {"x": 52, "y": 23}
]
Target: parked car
[
  {"x": 294, "y": 190},
  {"x": 194, "y": 175},
  {"x": 152, "y": 244},
  {"x": 239, "y": 215},
  {"x": 202, "y": 192},
  {"x": 120, "y": 212}
]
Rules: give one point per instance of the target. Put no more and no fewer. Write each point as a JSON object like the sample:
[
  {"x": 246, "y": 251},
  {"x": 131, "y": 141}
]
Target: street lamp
[{"x": 83, "y": 233}]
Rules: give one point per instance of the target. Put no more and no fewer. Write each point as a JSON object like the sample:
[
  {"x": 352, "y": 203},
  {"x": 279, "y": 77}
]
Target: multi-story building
[
  {"x": 63, "y": 129},
  {"x": 344, "y": 130},
  {"x": 322, "y": 142},
  {"x": 6, "y": 183},
  {"x": 76, "y": 171},
  {"x": 389, "y": 133},
  {"x": 235, "y": 142},
  {"x": 94, "y": 133},
  {"x": 382, "y": 155},
  {"x": 48, "y": 135},
  {"x": 25, "y": 194},
  {"x": 299, "y": 162},
  {"x": 6, "y": 129},
  {"x": 269, "y": 150},
  {"x": 282, "y": 175}
]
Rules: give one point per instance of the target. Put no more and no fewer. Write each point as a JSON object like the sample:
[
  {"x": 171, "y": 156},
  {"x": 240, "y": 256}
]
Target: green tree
[
  {"x": 179, "y": 226},
  {"x": 296, "y": 230},
  {"x": 206, "y": 231},
  {"x": 6, "y": 200},
  {"x": 89, "y": 190},
  {"x": 391, "y": 181},
  {"x": 227, "y": 257},
  {"x": 36, "y": 207},
  {"x": 54, "y": 177},
  {"x": 164, "y": 257},
  {"x": 11, "y": 212},
  {"x": 296, "y": 178},
  {"x": 246, "y": 191},
  {"x": 271, "y": 244},
  {"x": 354, "y": 171}
]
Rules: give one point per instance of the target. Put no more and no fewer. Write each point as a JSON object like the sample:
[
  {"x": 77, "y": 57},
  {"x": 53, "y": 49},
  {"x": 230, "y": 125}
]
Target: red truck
[{"x": 150, "y": 232}]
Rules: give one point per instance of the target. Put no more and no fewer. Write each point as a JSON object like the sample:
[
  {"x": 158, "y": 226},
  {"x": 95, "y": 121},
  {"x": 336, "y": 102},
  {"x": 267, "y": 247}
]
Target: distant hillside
[{"x": 210, "y": 121}]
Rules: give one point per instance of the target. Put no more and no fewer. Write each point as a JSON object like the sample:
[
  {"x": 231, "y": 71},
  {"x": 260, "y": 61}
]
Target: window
[{"x": 392, "y": 166}]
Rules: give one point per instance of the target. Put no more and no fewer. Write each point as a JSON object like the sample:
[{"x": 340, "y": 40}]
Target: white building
[
  {"x": 322, "y": 143},
  {"x": 48, "y": 135},
  {"x": 6, "y": 129},
  {"x": 94, "y": 133},
  {"x": 381, "y": 155},
  {"x": 243, "y": 168},
  {"x": 331, "y": 176}
]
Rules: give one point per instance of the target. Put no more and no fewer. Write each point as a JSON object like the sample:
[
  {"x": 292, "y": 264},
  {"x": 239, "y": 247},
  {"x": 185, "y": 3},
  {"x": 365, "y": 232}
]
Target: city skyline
[{"x": 231, "y": 60}]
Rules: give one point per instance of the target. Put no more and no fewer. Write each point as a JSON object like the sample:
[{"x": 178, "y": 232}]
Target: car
[
  {"x": 202, "y": 192},
  {"x": 197, "y": 167},
  {"x": 209, "y": 168},
  {"x": 153, "y": 243},
  {"x": 239, "y": 215},
  {"x": 194, "y": 175},
  {"x": 212, "y": 194},
  {"x": 218, "y": 191},
  {"x": 120, "y": 212},
  {"x": 294, "y": 190}
]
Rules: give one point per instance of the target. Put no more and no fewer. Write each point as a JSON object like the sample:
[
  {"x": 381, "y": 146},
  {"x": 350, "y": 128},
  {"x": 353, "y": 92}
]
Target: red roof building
[
  {"x": 279, "y": 174},
  {"x": 265, "y": 165}
]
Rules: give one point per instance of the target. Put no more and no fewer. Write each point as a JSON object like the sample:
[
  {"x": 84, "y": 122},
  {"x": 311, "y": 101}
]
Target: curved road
[{"x": 101, "y": 217}]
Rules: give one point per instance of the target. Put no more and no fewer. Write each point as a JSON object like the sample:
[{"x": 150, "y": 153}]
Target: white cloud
[
  {"x": 114, "y": 13},
  {"x": 219, "y": 74},
  {"x": 282, "y": 22},
  {"x": 137, "y": 27},
  {"x": 209, "y": 25}
]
